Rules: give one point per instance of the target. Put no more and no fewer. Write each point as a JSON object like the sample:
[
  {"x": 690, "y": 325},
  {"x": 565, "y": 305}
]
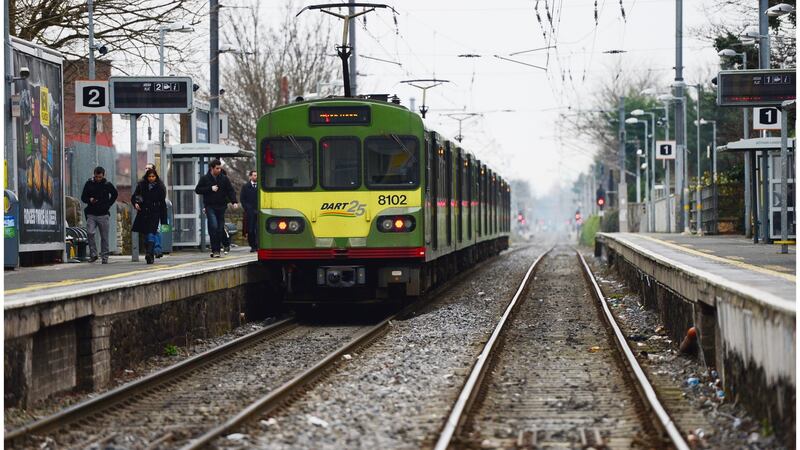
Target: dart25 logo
[{"x": 353, "y": 208}]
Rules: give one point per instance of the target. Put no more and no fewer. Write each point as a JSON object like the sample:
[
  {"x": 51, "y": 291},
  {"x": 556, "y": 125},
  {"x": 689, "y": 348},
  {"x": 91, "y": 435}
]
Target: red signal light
[{"x": 601, "y": 201}]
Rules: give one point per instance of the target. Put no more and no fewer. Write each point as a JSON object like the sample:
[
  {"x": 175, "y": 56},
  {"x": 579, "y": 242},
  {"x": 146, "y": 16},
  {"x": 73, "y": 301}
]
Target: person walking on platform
[
  {"x": 217, "y": 192},
  {"x": 157, "y": 242},
  {"x": 149, "y": 199},
  {"x": 249, "y": 199},
  {"x": 99, "y": 195}
]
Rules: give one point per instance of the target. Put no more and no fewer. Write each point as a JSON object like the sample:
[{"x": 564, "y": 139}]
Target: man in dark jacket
[
  {"x": 249, "y": 198},
  {"x": 217, "y": 192},
  {"x": 99, "y": 195}
]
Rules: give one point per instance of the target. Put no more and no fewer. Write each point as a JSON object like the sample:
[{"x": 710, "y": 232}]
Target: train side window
[
  {"x": 340, "y": 162},
  {"x": 287, "y": 164},
  {"x": 392, "y": 161}
]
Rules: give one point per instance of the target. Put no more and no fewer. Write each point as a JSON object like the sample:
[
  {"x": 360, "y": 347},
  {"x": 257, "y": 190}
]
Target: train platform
[
  {"x": 28, "y": 285},
  {"x": 740, "y": 298},
  {"x": 68, "y": 326}
]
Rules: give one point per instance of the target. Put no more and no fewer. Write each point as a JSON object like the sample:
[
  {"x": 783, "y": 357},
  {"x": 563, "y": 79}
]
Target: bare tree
[
  {"x": 129, "y": 27},
  {"x": 288, "y": 60}
]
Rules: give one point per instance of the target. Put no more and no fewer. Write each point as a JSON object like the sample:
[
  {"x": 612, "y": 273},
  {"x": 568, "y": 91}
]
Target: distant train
[{"x": 360, "y": 202}]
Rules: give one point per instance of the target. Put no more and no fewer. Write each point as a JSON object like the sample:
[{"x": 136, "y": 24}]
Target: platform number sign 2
[
  {"x": 91, "y": 97},
  {"x": 766, "y": 119},
  {"x": 665, "y": 149}
]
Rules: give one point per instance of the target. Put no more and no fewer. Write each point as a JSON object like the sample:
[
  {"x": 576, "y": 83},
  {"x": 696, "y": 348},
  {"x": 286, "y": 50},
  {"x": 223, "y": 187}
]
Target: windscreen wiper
[{"x": 411, "y": 157}]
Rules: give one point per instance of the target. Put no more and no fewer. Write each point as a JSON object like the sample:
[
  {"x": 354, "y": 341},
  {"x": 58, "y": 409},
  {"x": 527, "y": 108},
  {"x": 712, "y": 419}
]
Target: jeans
[
  {"x": 92, "y": 224},
  {"x": 155, "y": 238},
  {"x": 216, "y": 224}
]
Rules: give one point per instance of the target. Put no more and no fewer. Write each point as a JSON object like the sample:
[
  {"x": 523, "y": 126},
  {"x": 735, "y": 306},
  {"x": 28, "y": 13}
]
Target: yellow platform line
[
  {"x": 71, "y": 282},
  {"x": 733, "y": 262}
]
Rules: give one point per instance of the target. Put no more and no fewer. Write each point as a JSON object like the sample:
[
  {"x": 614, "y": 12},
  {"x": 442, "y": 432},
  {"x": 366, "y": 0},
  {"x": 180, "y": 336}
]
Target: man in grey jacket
[{"x": 99, "y": 195}]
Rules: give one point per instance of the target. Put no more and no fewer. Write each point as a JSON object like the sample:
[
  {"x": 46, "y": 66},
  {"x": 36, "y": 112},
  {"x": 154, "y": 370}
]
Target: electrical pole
[
  {"x": 352, "y": 36},
  {"x": 9, "y": 77},
  {"x": 622, "y": 187},
  {"x": 93, "y": 117},
  {"x": 763, "y": 63},
  {"x": 680, "y": 122}
]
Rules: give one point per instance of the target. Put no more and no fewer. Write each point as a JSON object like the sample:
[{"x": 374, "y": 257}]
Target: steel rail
[
  {"x": 643, "y": 384},
  {"x": 281, "y": 394},
  {"x": 115, "y": 396},
  {"x": 471, "y": 387}
]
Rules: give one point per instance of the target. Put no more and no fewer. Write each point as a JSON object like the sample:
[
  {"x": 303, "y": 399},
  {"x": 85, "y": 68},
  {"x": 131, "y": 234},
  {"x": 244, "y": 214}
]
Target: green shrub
[
  {"x": 170, "y": 350},
  {"x": 589, "y": 229}
]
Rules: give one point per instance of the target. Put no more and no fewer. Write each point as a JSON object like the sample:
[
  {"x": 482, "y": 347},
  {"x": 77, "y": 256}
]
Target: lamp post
[
  {"x": 651, "y": 164},
  {"x": 630, "y": 121},
  {"x": 713, "y": 165},
  {"x": 162, "y": 31},
  {"x": 698, "y": 198}
]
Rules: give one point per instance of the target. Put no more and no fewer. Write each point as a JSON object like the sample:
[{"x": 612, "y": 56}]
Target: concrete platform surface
[
  {"x": 757, "y": 271},
  {"x": 29, "y": 285}
]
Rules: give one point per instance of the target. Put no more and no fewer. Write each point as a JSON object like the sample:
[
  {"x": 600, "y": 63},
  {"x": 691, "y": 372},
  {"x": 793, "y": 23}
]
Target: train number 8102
[{"x": 392, "y": 200}]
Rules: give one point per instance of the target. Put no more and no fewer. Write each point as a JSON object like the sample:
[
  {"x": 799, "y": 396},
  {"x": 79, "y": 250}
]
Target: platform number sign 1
[
  {"x": 766, "y": 119},
  {"x": 665, "y": 149},
  {"x": 91, "y": 97}
]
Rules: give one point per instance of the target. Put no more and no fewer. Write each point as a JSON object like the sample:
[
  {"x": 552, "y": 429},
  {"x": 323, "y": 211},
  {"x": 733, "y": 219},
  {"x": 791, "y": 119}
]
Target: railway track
[
  {"x": 555, "y": 374},
  {"x": 175, "y": 405},
  {"x": 190, "y": 404}
]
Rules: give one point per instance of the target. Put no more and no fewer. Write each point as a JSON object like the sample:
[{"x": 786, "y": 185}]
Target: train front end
[{"x": 340, "y": 205}]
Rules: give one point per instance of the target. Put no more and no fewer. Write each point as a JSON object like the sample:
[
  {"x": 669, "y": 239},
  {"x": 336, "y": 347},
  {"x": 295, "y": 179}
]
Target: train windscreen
[
  {"x": 392, "y": 161},
  {"x": 340, "y": 163},
  {"x": 287, "y": 164}
]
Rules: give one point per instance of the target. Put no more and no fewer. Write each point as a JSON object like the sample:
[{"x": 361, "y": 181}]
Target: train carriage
[{"x": 360, "y": 202}]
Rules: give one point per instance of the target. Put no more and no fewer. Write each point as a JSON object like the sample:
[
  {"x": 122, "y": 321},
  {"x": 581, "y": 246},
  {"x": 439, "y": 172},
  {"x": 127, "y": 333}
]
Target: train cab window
[
  {"x": 287, "y": 164},
  {"x": 340, "y": 163},
  {"x": 392, "y": 161}
]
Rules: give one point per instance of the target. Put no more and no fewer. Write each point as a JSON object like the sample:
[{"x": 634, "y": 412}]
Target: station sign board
[
  {"x": 766, "y": 119},
  {"x": 665, "y": 149},
  {"x": 766, "y": 87},
  {"x": 91, "y": 97},
  {"x": 150, "y": 95}
]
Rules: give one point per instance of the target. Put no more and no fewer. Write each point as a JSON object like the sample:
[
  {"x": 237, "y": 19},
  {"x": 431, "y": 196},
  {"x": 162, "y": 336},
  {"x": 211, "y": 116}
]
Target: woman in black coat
[{"x": 149, "y": 199}]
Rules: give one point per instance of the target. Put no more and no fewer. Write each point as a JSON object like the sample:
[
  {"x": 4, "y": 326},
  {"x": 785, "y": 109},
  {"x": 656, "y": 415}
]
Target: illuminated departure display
[
  {"x": 339, "y": 115},
  {"x": 755, "y": 87}
]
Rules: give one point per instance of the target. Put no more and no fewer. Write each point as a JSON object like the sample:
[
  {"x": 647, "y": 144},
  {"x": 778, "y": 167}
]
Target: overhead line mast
[{"x": 344, "y": 51}]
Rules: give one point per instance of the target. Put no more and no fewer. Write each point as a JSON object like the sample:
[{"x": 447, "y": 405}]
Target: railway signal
[{"x": 601, "y": 198}]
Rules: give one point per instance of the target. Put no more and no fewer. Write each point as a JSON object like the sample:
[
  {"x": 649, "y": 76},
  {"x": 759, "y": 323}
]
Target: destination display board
[
  {"x": 756, "y": 87},
  {"x": 339, "y": 115},
  {"x": 150, "y": 95}
]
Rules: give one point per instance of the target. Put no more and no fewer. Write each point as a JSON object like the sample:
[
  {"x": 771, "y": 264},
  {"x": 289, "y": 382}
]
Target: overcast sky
[{"x": 430, "y": 35}]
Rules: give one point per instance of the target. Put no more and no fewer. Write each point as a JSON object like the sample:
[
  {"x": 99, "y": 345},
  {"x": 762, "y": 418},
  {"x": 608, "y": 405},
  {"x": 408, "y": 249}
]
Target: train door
[
  {"x": 433, "y": 168},
  {"x": 468, "y": 193},
  {"x": 448, "y": 156},
  {"x": 428, "y": 190},
  {"x": 459, "y": 195}
]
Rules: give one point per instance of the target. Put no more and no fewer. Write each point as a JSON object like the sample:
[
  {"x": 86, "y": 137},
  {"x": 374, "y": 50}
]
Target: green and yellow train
[{"x": 360, "y": 202}]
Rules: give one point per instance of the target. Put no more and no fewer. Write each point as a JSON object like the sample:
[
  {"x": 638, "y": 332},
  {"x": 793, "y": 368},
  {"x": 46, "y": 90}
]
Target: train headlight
[
  {"x": 285, "y": 225},
  {"x": 396, "y": 224}
]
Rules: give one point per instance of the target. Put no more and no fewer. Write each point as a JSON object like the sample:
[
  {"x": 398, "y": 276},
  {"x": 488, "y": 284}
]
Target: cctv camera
[
  {"x": 222, "y": 91},
  {"x": 102, "y": 49},
  {"x": 24, "y": 72},
  {"x": 195, "y": 87}
]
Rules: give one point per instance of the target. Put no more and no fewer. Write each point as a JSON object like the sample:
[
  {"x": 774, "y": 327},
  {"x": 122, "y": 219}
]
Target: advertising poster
[{"x": 39, "y": 132}]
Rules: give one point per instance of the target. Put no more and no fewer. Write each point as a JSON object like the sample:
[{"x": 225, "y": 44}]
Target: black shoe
[
  {"x": 159, "y": 255},
  {"x": 213, "y": 254},
  {"x": 93, "y": 259},
  {"x": 149, "y": 258},
  {"x": 105, "y": 261},
  {"x": 227, "y": 249}
]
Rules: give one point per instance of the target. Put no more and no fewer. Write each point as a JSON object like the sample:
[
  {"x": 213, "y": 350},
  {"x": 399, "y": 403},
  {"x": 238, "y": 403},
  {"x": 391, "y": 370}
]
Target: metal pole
[
  {"x": 653, "y": 169},
  {"x": 622, "y": 187},
  {"x": 748, "y": 209},
  {"x": 698, "y": 196},
  {"x": 714, "y": 175},
  {"x": 667, "y": 180},
  {"x": 638, "y": 179},
  {"x": 646, "y": 171},
  {"x": 213, "y": 117},
  {"x": 93, "y": 117},
  {"x": 784, "y": 181},
  {"x": 164, "y": 164},
  {"x": 680, "y": 124},
  {"x": 352, "y": 37},
  {"x": 134, "y": 180},
  {"x": 763, "y": 63},
  {"x": 10, "y": 151}
]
